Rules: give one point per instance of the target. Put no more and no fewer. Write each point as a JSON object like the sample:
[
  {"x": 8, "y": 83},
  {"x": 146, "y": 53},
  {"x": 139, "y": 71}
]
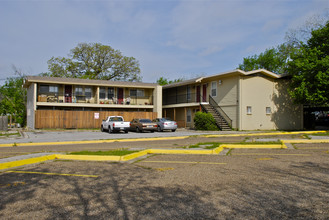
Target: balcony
[
  {"x": 79, "y": 98},
  {"x": 183, "y": 98}
]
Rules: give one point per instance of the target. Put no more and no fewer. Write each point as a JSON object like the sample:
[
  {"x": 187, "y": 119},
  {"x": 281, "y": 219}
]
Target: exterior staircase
[{"x": 223, "y": 122}]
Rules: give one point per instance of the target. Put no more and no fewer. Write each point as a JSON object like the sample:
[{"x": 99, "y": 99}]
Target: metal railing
[
  {"x": 220, "y": 111},
  {"x": 183, "y": 98},
  {"x": 80, "y": 98}
]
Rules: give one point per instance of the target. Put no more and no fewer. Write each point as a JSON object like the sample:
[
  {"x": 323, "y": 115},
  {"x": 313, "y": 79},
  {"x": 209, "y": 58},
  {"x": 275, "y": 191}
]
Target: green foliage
[
  {"x": 13, "y": 99},
  {"x": 205, "y": 121},
  {"x": 95, "y": 61},
  {"x": 273, "y": 59},
  {"x": 164, "y": 81},
  {"x": 309, "y": 68}
]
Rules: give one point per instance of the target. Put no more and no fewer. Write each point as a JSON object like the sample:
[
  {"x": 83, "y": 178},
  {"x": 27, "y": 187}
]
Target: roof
[
  {"x": 229, "y": 73},
  {"x": 90, "y": 82}
]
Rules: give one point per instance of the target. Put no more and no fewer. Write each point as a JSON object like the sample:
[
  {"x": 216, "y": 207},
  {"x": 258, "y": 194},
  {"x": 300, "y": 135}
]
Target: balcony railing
[
  {"x": 183, "y": 98},
  {"x": 79, "y": 98}
]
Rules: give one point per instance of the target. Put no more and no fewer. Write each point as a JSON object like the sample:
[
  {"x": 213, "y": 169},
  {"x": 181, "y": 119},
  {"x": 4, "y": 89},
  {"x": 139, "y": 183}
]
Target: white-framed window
[
  {"x": 53, "y": 88},
  {"x": 102, "y": 93},
  {"x": 88, "y": 92},
  {"x": 78, "y": 90},
  {"x": 48, "y": 88},
  {"x": 214, "y": 89},
  {"x": 188, "y": 92},
  {"x": 188, "y": 115},
  {"x": 268, "y": 110},
  {"x": 110, "y": 93},
  {"x": 249, "y": 110},
  {"x": 137, "y": 93}
]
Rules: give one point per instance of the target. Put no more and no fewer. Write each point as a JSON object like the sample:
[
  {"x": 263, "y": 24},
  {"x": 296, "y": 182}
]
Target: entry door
[
  {"x": 120, "y": 95},
  {"x": 204, "y": 93},
  {"x": 68, "y": 93},
  {"x": 198, "y": 93}
]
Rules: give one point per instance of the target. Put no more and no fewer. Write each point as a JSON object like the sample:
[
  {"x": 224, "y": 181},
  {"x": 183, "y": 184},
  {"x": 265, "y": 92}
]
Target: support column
[{"x": 185, "y": 117}]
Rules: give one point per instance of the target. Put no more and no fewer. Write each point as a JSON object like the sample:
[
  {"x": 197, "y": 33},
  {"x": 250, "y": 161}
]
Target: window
[
  {"x": 214, "y": 89},
  {"x": 102, "y": 93},
  {"x": 249, "y": 112},
  {"x": 188, "y": 115},
  {"x": 110, "y": 93},
  {"x": 268, "y": 110},
  {"x": 78, "y": 90},
  {"x": 188, "y": 92},
  {"x": 137, "y": 92},
  {"x": 48, "y": 89},
  {"x": 88, "y": 92}
]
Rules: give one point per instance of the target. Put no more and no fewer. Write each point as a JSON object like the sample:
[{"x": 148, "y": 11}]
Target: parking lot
[{"x": 240, "y": 184}]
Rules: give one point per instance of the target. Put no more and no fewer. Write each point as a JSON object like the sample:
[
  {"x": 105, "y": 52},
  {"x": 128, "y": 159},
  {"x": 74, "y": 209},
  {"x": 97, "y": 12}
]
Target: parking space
[
  {"x": 244, "y": 183},
  {"x": 173, "y": 187}
]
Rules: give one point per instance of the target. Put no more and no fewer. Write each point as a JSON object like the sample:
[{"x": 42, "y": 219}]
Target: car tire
[
  {"x": 173, "y": 130},
  {"x": 126, "y": 132},
  {"x": 102, "y": 129},
  {"x": 159, "y": 129},
  {"x": 138, "y": 130},
  {"x": 152, "y": 131}
]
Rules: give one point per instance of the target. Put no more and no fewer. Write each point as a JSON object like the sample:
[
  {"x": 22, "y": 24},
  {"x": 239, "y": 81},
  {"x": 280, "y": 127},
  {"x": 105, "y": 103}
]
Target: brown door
[
  {"x": 120, "y": 95},
  {"x": 204, "y": 93},
  {"x": 68, "y": 93},
  {"x": 198, "y": 94}
]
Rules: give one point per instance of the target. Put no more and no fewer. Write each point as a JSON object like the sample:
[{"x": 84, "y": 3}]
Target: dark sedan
[{"x": 140, "y": 125}]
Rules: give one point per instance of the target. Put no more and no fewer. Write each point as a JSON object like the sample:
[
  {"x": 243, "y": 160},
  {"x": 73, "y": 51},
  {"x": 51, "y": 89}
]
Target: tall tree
[
  {"x": 273, "y": 59},
  {"x": 13, "y": 98},
  {"x": 95, "y": 61},
  {"x": 309, "y": 68},
  {"x": 164, "y": 81}
]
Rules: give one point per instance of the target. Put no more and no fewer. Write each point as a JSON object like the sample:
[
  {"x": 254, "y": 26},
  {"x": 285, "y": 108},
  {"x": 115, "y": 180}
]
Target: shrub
[{"x": 205, "y": 121}]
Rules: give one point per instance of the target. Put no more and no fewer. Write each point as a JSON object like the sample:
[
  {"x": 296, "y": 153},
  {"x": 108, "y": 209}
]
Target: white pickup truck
[{"x": 115, "y": 123}]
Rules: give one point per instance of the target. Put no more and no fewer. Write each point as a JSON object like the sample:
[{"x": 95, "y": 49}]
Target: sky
[{"x": 170, "y": 38}]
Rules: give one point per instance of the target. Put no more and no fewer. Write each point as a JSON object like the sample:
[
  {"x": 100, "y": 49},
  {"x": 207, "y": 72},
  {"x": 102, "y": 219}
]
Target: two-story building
[
  {"x": 82, "y": 103},
  {"x": 237, "y": 99}
]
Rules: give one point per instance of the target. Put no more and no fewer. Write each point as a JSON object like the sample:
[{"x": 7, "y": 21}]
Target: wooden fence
[{"x": 81, "y": 119}]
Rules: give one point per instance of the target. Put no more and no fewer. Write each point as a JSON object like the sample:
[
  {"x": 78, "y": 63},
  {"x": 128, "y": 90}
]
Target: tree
[
  {"x": 276, "y": 59},
  {"x": 13, "y": 98},
  {"x": 309, "y": 68},
  {"x": 164, "y": 81},
  {"x": 273, "y": 59},
  {"x": 95, "y": 61}
]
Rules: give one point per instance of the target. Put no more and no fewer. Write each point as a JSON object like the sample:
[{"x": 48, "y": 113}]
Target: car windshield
[
  {"x": 145, "y": 120},
  {"x": 164, "y": 119}
]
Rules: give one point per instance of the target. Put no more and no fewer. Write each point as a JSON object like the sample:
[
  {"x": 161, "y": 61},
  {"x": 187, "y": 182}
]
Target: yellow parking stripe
[
  {"x": 257, "y": 154},
  {"x": 182, "y": 162},
  {"x": 54, "y": 174}
]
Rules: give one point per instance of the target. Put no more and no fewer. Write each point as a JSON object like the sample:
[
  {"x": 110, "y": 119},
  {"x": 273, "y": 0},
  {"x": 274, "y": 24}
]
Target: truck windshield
[{"x": 116, "y": 119}]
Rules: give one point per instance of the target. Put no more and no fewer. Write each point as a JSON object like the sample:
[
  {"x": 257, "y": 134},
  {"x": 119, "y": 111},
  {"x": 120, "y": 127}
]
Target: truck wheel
[
  {"x": 110, "y": 130},
  {"x": 102, "y": 129}
]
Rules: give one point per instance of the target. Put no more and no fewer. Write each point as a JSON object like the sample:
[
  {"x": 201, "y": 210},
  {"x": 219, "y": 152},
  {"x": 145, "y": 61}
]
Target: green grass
[
  {"x": 320, "y": 134},
  {"x": 216, "y": 144},
  {"x": 213, "y": 145},
  {"x": 9, "y": 134},
  {"x": 105, "y": 153}
]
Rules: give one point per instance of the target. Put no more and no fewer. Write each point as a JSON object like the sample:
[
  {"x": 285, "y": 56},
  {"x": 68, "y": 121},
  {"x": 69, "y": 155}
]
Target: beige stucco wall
[
  {"x": 31, "y": 105},
  {"x": 260, "y": 92},
  {"x": 227, "y": 95},
  {"x": 157, "y": 97}
]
